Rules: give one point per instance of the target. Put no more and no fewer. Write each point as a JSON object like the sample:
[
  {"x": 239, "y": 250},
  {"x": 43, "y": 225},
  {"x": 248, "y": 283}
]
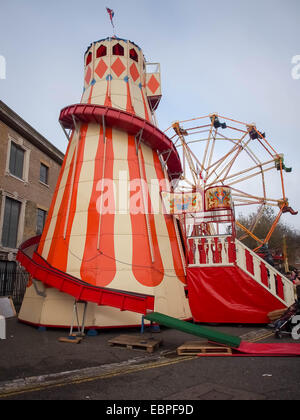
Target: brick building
[{"x": 29, "y": 168}]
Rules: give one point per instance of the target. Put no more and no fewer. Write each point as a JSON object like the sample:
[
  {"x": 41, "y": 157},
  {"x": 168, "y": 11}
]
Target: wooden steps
[{"x": 132, "y": 342}]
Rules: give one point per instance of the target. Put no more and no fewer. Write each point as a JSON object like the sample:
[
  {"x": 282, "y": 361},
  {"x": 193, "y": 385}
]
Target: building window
[
  {"x": 133, "y": 55},
  {"x": 89, "y": 58},
  {"x": 16, "y": 160},
  {"x": 41, "y": 219},
  {"x": 118, "y": 49},
  {"x": 101, "y": 51},
  {"x": 11, "y": 223},
  {"x": 44, "y": 173}
]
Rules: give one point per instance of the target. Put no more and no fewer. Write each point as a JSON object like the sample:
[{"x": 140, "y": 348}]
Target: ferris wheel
[{"x": 217, "y": 150}]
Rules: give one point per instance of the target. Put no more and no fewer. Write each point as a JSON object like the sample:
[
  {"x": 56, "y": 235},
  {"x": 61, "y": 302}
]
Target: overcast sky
[{"x": 233, "y": 57}]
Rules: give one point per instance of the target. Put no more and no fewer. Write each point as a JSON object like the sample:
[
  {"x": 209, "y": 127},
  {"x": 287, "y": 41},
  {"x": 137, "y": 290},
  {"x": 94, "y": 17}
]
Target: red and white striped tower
[{"x": 106, "y": 225}]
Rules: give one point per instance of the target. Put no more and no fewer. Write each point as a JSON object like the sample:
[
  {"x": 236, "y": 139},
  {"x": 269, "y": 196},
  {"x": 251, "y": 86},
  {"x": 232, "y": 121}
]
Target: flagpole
[{"x": 111, "y": 15}]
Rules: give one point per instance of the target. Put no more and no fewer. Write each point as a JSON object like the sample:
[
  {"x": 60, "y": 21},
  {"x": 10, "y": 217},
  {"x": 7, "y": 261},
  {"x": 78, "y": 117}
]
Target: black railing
[{"x": 13, "y": 282}]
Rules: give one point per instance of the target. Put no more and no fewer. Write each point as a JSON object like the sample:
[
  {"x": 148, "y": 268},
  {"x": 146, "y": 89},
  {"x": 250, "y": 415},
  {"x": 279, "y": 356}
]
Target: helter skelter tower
[{"x": 106, "y": 225}]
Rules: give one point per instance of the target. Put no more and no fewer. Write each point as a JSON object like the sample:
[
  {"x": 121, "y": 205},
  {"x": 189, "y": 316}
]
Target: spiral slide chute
[{"x": 81, "y": 291}]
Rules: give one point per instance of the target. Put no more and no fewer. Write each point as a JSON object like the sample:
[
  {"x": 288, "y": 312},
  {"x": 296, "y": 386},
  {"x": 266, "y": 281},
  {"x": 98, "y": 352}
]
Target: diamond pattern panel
[
  {"x": 101, "y": 68},
  {"x": 134, "y": 72},
  {"x": 88, "y": 75},
  {"x": 153, "y": 84},
  {"x": 118, "y": 67}
]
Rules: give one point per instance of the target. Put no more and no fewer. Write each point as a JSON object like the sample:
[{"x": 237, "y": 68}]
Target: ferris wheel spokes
[{"x": 231, "y": 154}]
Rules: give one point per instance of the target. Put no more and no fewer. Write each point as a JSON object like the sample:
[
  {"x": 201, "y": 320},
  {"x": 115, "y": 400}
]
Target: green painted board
[{"x": 198, "y": 330}]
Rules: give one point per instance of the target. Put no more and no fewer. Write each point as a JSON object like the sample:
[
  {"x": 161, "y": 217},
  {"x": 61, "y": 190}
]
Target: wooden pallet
[
  {"x": 193, "y": 348},
  {"x": 136, "y": 342},
  {"x": 75, "y": 338},
  {"x": 274, "y": 315},
  {"x": 71, "y": 340}
]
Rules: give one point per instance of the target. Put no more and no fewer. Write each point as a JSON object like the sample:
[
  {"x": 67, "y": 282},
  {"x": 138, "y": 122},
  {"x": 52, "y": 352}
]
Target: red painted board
[{"x": 228, "y": 295}]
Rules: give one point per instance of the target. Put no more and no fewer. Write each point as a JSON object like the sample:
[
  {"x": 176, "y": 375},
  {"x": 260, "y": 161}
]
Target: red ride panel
[
  {"x": 269, "y": 349},
  {"x": 228, "y": 295}
]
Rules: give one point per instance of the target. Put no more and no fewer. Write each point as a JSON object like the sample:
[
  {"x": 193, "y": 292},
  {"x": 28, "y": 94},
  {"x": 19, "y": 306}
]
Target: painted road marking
[{"x": 18, "y": 387}]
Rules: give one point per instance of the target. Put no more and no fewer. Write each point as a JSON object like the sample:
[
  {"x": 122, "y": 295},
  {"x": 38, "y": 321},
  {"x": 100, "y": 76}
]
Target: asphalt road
[
  {"x": 245, "y": 378},
  {"x": 94, "y": 371}
]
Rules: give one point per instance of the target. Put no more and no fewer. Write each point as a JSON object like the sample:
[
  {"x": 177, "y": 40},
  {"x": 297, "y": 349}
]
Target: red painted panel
[
  {"x": 99, "y": 266},
  {"x": 228, "y": 295},
  {"x": 231, "y": 249},
  {"x": 264, "y": 274},
  {"x": 146, "y": 273},
  {"x": 279, "y": 284},
  {"x": 270, "y": 349},
  {"x": 50, "y": 213},
  {"x": 249, "y": 262},
  {"x": 58, "y": 254}
]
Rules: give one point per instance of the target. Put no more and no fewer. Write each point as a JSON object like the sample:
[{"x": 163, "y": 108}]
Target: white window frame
[
  {"x": 21, "y": 219},
  {"x": 20, "y": 143},
  {"x": 42, "y": 162},
  {"x": 46, "y": 210}
]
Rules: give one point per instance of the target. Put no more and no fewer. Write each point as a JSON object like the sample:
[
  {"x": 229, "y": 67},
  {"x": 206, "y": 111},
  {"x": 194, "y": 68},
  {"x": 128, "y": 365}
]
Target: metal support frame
[
  {"x": 39, "y": 292},
  {"x": 175, "y": 177},
  {"x": 104, "y": 128},
  {"x": 65, "y": 131},
  {"x": 165, "y": 161},
  {"x": 151, "y": 328},
  {"x": 143, "y": 324},
  {"x": 81, "y": 326},
  {"x": 138, "y": 142}
]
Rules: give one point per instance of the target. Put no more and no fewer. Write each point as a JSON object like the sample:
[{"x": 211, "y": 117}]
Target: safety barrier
[
  {"x": 265, "y": 274},
  {"x": 224, "y": 250},
  {"x": 211, "y": 251}
]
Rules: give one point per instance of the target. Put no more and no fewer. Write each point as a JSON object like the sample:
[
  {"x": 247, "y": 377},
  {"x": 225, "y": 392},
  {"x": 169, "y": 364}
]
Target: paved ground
[{"x": 35, "y": 365}]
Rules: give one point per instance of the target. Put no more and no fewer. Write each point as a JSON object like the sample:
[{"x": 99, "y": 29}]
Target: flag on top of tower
[{"x": 111, "y": 15}]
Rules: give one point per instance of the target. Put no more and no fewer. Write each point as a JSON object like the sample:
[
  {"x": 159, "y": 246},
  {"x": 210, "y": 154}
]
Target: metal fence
[{"x": 13, "y": 282}]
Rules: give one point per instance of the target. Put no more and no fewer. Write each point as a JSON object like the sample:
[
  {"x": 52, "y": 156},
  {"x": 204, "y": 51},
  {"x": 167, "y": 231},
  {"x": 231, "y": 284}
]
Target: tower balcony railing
[{"x": 216, "y": 250}]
